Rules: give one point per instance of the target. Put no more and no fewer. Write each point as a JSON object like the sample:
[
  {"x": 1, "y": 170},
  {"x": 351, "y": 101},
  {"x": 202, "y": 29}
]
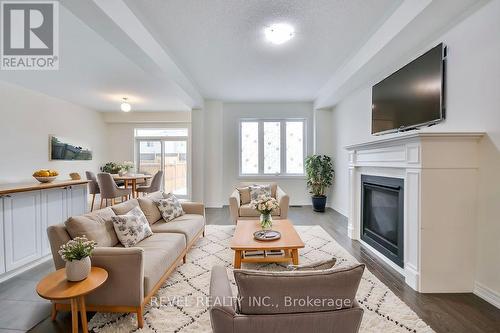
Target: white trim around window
[{"x": 282, "y": 146}]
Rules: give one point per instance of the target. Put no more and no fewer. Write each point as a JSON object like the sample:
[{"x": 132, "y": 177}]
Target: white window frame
[
  {"x": 161, "y": 139},
  {"x": 282, "y": 173}
]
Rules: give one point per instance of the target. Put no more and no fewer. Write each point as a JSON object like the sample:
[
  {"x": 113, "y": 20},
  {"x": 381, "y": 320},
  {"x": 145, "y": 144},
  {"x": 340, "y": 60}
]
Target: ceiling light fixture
[
  {"x": 279, "y": 33},
  {"x": 125, "y": 106}
]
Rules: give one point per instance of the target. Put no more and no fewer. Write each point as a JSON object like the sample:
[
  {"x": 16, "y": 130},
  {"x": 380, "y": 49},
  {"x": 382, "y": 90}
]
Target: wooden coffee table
[
  {"x": 55, "y": 287},
  {"x": 243, "y": 242}
]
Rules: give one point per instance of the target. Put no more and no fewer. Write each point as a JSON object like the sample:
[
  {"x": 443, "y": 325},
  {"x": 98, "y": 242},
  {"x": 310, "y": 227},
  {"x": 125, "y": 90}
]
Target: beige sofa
[
  {"x": 240, "y": 209},
  {"x": 292, "y": 302},
  {"x": 135, "y": 273}
]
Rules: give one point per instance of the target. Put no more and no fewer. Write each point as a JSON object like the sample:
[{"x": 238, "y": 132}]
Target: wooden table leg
[
  {"x": 74, "y": 315},
  {"x": 237, "y": 259},
  {"x": 53, "y": 314},
  {"x": 295, "y": 256},
  {"x": 83, "y": 313},
  {"x": 134, "y": 188}
]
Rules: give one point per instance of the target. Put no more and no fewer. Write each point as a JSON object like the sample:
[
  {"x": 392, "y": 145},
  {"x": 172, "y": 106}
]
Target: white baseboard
[
  {"x": 489, "y": 295},
  {"x": 337, "y": 209},
  {"x": 9, "y": 275}
]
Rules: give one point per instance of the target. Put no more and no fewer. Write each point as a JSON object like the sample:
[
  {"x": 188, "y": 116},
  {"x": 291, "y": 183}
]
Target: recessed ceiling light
[
  {"x": 125, "y": 106},
  {"x": 279, "y": 33}
]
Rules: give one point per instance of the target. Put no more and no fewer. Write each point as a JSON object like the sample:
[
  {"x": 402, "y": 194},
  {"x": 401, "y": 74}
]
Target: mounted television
[{"x": 412, "y": 97}]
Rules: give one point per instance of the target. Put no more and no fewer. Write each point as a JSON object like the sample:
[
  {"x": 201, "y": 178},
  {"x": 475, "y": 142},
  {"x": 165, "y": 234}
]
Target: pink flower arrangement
[{"x": 265, "y": 205}]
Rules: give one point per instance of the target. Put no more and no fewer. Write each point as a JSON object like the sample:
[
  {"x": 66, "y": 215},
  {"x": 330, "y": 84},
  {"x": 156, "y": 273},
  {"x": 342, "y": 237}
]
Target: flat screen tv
[{"x": 413, "y": 96}]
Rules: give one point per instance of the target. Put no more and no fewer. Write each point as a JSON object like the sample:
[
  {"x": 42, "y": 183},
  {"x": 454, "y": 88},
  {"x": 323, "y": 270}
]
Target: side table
[{"x": 55, "y": 287}]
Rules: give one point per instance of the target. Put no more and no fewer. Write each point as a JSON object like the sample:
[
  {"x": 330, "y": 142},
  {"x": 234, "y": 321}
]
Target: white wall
[
  {"x": 214, "y": 195},
  {"x": 473, "y": 104},
  {"x": 27, "y": 118},
  {"x": 232, "y": 112}
]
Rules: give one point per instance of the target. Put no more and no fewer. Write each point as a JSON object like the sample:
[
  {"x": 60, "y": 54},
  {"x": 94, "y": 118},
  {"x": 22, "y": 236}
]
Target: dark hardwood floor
[{"x": 443, "y": 312}]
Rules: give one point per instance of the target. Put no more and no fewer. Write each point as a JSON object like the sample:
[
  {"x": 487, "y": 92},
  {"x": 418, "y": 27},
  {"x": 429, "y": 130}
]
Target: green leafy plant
[
  {"x": 77, "y": 249},
  {"x": 111, "y": 167},
  {"x": 319, "y": 173}
]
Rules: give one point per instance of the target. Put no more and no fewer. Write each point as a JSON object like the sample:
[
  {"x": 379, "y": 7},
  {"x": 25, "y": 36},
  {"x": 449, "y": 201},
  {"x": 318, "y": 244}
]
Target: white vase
[{"x": 78, "y": 270}]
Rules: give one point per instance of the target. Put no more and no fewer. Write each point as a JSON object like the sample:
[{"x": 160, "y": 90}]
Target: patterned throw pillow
[
  {"x": 169, "y": 207},
  {"x": 257, "y": 191},
  {"x": 132, "y": 227}
]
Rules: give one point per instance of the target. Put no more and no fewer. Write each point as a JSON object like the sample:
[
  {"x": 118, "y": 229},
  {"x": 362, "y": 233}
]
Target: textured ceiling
[{"x": 220, "y": 43}]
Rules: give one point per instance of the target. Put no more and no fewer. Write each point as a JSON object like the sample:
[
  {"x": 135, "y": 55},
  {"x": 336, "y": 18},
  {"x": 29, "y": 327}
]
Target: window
[
  {"x": 165, "y": 149},
  {"x": 272, "y": 147}
]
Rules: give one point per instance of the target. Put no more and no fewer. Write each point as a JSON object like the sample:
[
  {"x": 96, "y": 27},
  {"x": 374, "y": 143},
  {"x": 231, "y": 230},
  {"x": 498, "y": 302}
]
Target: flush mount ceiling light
[
  {"x": 125, "y": 106},
  {"x": 279, "y": 33}
]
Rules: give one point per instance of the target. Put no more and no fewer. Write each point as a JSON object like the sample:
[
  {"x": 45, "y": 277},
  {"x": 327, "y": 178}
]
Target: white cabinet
[
  {"x": 22, "y": 228},
  {"x": 54, "y": 211},
  {"x": 77, "y": 200},
  {"x": 25, "y": 216}
]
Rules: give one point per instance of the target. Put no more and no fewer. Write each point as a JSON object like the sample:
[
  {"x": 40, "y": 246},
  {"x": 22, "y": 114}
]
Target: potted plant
[
  {"x": 319, "y": 172},
  {"x": 265, "y": 205},
  {"x": 111, "y": 167},
  {"x": 77, "y": 253},
  {"x": 126, "y": 167}
]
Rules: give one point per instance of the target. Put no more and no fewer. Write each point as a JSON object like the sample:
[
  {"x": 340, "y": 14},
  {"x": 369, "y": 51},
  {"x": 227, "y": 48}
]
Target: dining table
[{"x": 131, "y": 180}]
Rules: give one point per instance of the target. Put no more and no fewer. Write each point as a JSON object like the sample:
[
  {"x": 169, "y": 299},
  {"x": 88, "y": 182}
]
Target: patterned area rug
[{"x": 180, "y": 305}]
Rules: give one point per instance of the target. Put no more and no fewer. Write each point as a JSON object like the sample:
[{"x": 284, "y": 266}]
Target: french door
[{"x": 170, "y": 155}]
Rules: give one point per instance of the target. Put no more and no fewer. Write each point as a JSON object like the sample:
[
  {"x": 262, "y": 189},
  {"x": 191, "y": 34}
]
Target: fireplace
[{"x": 382, "y": 215}]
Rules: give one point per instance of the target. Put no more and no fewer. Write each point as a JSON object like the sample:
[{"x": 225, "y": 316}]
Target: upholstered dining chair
[
  {"x": 93, "y": 186},
  {"x": 109, "y": 189},
  {"x": 154, "y": 186}
]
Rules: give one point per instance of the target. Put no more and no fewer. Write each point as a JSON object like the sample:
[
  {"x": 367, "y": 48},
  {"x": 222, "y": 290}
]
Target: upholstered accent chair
[
  {"x": 93, "y": 186},
  {"x": 279, "y": 301},
  {"x": 109, "y": 189},
  {"x": 239, "y": 202},
  {"x": 154, "y": 186}
]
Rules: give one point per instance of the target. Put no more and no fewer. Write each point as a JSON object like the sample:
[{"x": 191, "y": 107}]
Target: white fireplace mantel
[{"x": 440, "y": 201}]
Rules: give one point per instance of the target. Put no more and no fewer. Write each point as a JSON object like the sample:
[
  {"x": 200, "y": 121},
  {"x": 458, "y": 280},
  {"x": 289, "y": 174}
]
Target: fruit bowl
[{"x": 45, "y": 179}]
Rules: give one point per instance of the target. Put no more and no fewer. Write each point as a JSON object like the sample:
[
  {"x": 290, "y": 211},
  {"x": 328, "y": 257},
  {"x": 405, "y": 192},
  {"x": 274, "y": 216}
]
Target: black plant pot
[{"x": 319, "y": 203}]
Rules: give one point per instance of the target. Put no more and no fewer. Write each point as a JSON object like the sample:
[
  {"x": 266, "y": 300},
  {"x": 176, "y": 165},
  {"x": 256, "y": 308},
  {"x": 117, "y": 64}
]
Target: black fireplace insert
[{"x": 382, "y": 215}]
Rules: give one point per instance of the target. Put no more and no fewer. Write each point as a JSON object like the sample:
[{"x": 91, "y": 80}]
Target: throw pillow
[
  {"x": 257, "y": 191},
  {"x": 169, "y": 207},
  {"x": 244, "y": 195},
  {"x": 132, "y": 227}
]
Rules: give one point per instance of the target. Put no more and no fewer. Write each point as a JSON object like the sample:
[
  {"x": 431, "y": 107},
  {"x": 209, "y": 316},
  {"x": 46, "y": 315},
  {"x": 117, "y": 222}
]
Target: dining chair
[
  {"x": 93, "y": 186},
  {"x": 154, "y": 186},
  {"x": 109, "y": 189}
]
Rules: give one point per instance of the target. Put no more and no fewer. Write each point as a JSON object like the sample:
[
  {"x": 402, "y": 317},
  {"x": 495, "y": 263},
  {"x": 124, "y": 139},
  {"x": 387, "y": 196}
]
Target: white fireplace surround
[{"x": 440, "y": 172}]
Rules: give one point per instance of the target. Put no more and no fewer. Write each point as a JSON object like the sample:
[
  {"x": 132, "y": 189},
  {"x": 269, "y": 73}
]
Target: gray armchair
[
  {"x": 273, "y": 301},
  {"x": 239, "y": 203}
]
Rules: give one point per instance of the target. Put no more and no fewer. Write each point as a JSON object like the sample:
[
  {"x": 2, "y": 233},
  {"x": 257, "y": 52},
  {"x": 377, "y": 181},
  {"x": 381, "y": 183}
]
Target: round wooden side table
[{"x": 55, "y": 287}]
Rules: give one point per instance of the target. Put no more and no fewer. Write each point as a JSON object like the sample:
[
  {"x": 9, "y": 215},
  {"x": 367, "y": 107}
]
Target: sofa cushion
[
  {"x": 326, "y": 290},
  {"x": 188, "y": 224},
  {"x": 244, "y": 195},
  {"x": 160, "y": 253},
  {"x": 96, "y": 226},
  {"x": 149, "y": 207},
  {"x": 125, "y": 207},
  {"x": 169, "y": 207},
  {"x": 132, "y": 227},
  {"x": 248, "y": 211}
]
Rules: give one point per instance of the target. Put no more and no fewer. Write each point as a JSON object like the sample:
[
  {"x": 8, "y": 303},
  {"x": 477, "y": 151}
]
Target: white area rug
[{"x": 177, "y": 307}]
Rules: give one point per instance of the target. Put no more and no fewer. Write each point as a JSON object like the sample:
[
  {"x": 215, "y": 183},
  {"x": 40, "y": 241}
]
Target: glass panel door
[
  {"x": 175, "y": 159},
  {"x": 149, "y": 156}
]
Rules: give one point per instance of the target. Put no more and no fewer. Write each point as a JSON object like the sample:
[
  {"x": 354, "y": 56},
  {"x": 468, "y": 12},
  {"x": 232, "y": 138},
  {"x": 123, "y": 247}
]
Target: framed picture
[{"x": 68, "y": 150}]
